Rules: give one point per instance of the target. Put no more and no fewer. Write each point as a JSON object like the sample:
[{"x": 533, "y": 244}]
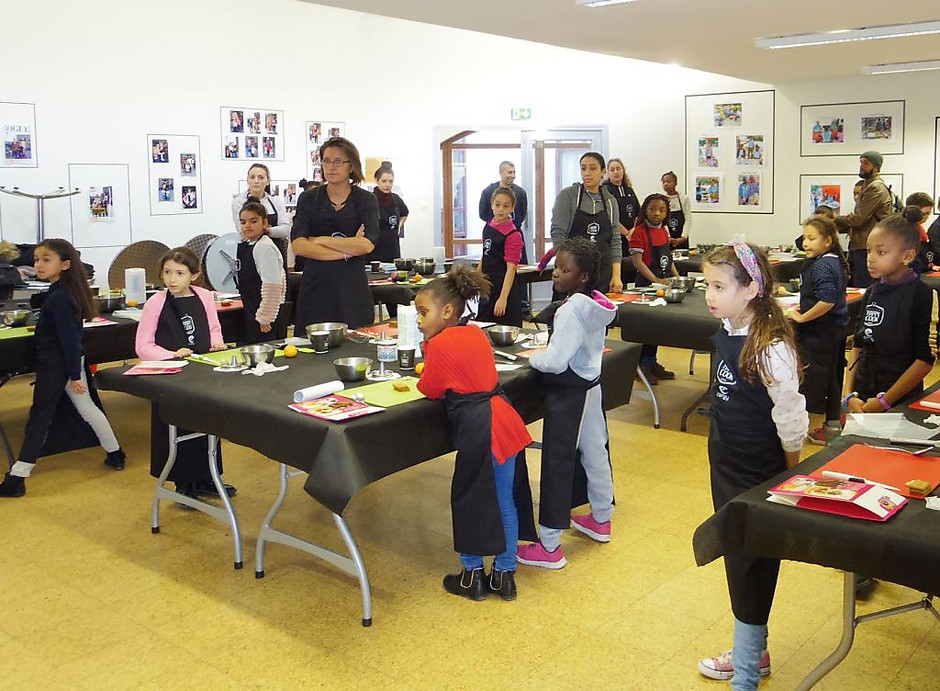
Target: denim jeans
[
  {"x": 750, "y": 640},
  {"x": 504, "y": 475}
]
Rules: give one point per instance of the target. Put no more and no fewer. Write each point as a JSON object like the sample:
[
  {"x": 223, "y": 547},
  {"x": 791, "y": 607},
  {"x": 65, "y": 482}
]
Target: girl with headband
[{"x": 758, "y": 424}]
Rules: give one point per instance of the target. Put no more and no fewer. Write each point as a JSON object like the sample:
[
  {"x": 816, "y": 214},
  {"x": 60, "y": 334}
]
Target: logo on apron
[
  {"x": 392, "y": 221},
  {"x": 725, "y": 378},
  {"x": 673, "y": 223},
  {"x": 487, "y": 244},
  {"x": 189, "y": 327},
  {"x": 874, "y": 315},
  {"x": 592, "y": 230},
  {"x": 664, "y": 262},
  {"x": 338, "y": 234}
]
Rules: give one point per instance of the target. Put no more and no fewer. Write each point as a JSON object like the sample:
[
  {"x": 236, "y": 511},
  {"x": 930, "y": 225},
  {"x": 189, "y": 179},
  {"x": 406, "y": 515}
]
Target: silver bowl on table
[
  {"x": 109, "y": 302},
  {"x": 14, "y": 317},
  {"x": 254, "y": 355},
  {"x": 674, "y": 295},
  {"x": 352, "y": 368},
  {"x": 502, "y": 335},
  {"x": 337, "y": 331}
]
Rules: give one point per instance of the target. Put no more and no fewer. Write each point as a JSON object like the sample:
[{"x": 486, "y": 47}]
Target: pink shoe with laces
[
  {"x": 594, "y": 530},
  {"x": 720, "y": 667},
  {"x": 535, "y": 554}
]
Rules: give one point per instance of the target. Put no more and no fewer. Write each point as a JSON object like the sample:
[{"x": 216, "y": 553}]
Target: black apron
[
  {"x": 629, "y": 207},
  {"x": 334, "y": 291},
  {"x": 885, "y": 338},
  {"x": 280, "y": 243},
  {"x": 676, "y": 221},
  {"x": 248, "y": 281},
  {"x": 478, "y": 527},
  {"x": 388, "y": 247},
  {"x": 54, "y": 425},
  {"x": 494, "y": 267},
  {"x": 662, "y": 260},
  {"x": 564, "y": 483},
  {"x": 597, "y": 228},
  {"x": 822, "y": 346},
  {"x": 181, "y": 326},
  {"x": 743, "y": 452}
]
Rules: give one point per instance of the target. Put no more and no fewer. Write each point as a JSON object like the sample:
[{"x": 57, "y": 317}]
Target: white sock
[{"x": 22, "y": 469}]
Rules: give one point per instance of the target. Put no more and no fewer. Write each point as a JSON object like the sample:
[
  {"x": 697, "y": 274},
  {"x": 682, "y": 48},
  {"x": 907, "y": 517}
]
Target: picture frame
[
  {"x": 729, "y": 135},
  {"x": 848, "y": 129},
  {"x": 821, "y": 188},
  {"x": 174, "y": 165},
  {"x": 101, "y": 212},
  {"x": 18, "y": 128},
  {"x": 287, "y": 190},
  {"x": 315, "y": 133},
  {"x": 252, "y": 135}
]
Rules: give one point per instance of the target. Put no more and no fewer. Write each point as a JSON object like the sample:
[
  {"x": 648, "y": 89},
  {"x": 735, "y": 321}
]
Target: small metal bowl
[
  {"x": 337, "y": 331},
  {"x": 503, "y": 335},
  {"x": 254, "y": 355},
  {"x": 424, "y": 266},
  {"x": 404, "y": 264},
  {"x": 109, "y": 302},
  {"x": 682, "y": 283},
  {"x": 674, "y": 295},
  {"x": 14, "y": 317},
  {"x": 352, "y": 368}
]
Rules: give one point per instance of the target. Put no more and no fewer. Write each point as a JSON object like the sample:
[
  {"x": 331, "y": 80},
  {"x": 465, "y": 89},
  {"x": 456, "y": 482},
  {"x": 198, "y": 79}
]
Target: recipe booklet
[
  {"x": 335, "y": 408},
  {"x": 841, "y": 497},
  {"x": 157, "y": 367}
]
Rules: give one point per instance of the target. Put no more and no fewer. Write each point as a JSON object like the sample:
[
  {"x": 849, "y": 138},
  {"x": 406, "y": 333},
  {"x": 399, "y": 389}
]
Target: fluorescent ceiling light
[
  {"x": 600, "y": 3},
  {"x": 870, "y": 33},
  {"x": 894, "y": 67}
]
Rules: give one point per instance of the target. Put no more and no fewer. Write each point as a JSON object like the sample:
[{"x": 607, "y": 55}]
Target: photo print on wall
[
  {"x": 749, "y": 150},
  {"x": 829, "y": 131},
  {"x": 876, "y": 127},
  {"x": 749, "y": 189},
  {"x": 708, "y": 152},
  {"x": 174, "y": 174},
  {"x": 318, "y": 131},
  {"x": 101, "y": 203},
  {"x": 101, "y": 214},
  {"x": 728, "y": 114},
  {"x": 251, "y": 133},
  {"x": 708, "y": 189},
  {"x": 18, "y": 124}
]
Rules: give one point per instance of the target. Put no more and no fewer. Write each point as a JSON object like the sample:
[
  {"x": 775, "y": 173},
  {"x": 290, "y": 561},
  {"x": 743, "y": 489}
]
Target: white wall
[{"x": 103, "y": 74}]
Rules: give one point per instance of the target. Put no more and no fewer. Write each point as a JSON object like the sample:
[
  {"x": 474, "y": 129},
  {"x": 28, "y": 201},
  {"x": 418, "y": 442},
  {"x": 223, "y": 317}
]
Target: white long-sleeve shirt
[
  {"x": 273, "y": 205},
  {"x": 789, "y": 406}
]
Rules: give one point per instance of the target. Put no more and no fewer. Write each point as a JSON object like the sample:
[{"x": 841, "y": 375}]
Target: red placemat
[
  {"x": 932, "y": 398},
  {"x": 888, "y": 467}
]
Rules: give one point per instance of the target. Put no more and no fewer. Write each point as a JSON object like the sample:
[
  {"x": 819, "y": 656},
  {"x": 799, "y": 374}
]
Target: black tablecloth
[
  {"x": 340, "y": 458},
  {"x": 104, "y": 343},
  {"x": 932, "y": 281},
  {"x": 687, "y": 324},
  {"x": 905, "y": 549},
  {"x": 783, "y": 270}
]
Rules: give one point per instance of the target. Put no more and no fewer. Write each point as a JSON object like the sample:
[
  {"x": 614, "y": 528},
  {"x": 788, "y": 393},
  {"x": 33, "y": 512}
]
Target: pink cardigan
[{"x": 145, "y": 346}]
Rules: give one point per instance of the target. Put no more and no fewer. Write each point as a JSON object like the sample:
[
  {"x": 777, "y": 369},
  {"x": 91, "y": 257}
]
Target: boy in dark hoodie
[{"x": 574, "y": 443}]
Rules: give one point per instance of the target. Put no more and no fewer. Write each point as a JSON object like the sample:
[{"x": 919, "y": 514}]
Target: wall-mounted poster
[
  {"x": 707, "y": 189},
  {"x": 848, "y": 129},
  {"x": 18, "y": 124},
  {"x": 708, "y": 152},
  {"x": 317, "y": 132},
  {"x": 749, "y": 189},
  {"x": 287, "y": 190},
  {"x": 251, "y": 133},
  {"x": 101, "y": 211},
  {"x": 175, "y": 177},
  {"x": 730, "y": 141},
  {"x": 837, "y": 192}
]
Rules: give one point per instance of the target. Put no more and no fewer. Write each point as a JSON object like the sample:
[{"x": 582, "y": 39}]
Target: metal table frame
[{"x": 850, "y": 622}]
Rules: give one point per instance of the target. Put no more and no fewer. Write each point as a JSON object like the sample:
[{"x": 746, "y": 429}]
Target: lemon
[
  {"x": 132, "y": 303},
  {"x": 419, "y": 368},
  {"x": 290, "y": 351}
]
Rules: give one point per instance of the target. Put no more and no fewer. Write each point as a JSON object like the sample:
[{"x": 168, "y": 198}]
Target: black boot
[
  {"x": 206, "y": 488},
  {"x": 471, "y": 584},
  {"x": 12, "y": 486},
  {"x": 115, "y": 460},
  {"x": 503, "y": 583}
]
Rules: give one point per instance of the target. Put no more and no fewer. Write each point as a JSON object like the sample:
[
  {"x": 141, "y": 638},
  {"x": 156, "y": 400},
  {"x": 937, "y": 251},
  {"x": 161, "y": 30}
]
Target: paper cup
[
  {"x": 406, "y": 358},
  {"x": 320, "y": 341}
]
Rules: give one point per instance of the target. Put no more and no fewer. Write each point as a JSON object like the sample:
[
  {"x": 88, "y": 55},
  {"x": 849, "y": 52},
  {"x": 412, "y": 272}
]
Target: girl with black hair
[
  {"x": 892, "y": 352},
  {"x": 679, "y": 222},
  {"x": 61, "y": 369},
  {"x": 490, "y": 497},
  {"x": 575, "y": 455},
  {"x": 259, "y": 187},
  {"x": 261, "y": 280}
]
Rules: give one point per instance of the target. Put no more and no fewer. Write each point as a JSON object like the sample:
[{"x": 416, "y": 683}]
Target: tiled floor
[{"x": 92, "y": 600}]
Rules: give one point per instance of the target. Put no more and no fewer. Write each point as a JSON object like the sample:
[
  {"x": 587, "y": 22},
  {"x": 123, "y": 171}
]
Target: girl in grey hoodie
[{"x": 575, "y": 457}]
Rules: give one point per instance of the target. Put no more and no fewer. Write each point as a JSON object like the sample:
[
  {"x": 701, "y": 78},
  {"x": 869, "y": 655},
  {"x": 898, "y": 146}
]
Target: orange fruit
[
  {"x": 419, "y": 368},
  {"x": 132, "y": 303},
  {"x": 660, "y": 293},
  {"x": 290, "y": 351}
]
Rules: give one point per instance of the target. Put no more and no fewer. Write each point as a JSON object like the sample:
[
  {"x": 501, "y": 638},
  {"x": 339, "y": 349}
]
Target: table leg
[
  {"x": 691, "y": 409},
  {"x": 162, "y": 493},
  {"x": 352, "y": 564},
  {"x": 848, "y": 636},
  {"x": 653, "y": 398}
]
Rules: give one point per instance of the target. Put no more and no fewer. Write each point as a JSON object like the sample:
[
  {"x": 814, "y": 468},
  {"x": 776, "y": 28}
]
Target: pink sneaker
[
  {"x": 535, "y": 554},
  {"x": 594, "y": 530},
  {"x": 721, "y": 668}
]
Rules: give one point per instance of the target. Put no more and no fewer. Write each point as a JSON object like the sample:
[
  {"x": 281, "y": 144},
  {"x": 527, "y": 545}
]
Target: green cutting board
[
  {"x": 383, "y": 395},
  {"x": 16, "y": 332}
]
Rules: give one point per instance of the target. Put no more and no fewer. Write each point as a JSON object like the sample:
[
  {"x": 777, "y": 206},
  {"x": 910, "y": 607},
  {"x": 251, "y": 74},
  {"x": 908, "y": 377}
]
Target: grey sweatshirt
[
  {"x": 578, "y": 336},
  {"x": 563, "y": 214}
]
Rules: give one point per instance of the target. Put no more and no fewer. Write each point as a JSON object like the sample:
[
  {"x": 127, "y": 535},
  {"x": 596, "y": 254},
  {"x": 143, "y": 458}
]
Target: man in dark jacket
[{"x": 874, "y": 204}]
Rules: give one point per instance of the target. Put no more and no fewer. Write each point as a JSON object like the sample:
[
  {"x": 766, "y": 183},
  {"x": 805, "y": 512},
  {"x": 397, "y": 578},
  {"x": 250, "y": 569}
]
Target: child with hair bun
[{"x": 490, "y": 498}]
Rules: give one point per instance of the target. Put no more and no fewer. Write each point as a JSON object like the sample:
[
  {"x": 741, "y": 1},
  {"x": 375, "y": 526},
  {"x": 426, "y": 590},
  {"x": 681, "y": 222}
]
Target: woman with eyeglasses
[
  {"x": 336, "y": 226},
  {"x": 279, "y": 222}
]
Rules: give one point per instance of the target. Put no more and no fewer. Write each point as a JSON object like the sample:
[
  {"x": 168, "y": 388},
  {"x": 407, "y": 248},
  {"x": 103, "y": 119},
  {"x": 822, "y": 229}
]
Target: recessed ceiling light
[
  {"x": 894, "y": 67},
  {"x": 600, "y": 3},
  {"x": 869, "y": 33}
]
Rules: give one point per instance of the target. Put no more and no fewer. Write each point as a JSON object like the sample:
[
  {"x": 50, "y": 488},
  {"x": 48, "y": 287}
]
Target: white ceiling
[{"x": 711, "y": 35}]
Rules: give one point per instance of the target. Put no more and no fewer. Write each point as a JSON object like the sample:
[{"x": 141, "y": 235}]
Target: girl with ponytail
[
  {"x": 490, "y": 497},
  {"x": 758, "y": 423}
]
